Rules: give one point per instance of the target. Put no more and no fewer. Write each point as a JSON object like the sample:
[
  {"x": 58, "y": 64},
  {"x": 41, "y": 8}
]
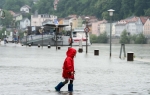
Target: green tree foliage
[
  {"x": 133, "y": 37},
  {"x": 44, "y": 6},
  {"x": 140, "y": 39},
  {"x": 102, "y": 38},
  {"x": 98, "y": 8},
  {"x": 147, "y": 12},
  {"x": 2, "y": 31},
  {"x": 8, "y": 19},
  {"x": 124, "y": 37},
  {"x": 26, "y": 15},
  {"x": 2, "y": 2},
  {"x": 140, "y": 6},
  {"x": 14, "y": 5},
  {"x": 105, "y": 15},
  {"x": 127, "y": 7}
]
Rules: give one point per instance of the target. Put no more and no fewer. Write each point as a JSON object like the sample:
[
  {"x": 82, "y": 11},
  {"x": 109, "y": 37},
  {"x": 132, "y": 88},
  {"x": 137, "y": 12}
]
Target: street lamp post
[
  {"x": 5, "y": 34},
  {"x": 110, "y": 14},
  {"x": 2, "y": 36},
  {"x": 71, "y": 34},
  {"x": 42, "y": 35},
  {"x": 56, "y": 35},
  {"x": 86, "y": 32}
]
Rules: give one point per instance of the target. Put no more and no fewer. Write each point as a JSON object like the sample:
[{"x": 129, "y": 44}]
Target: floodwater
[{"x": 36, "y": 71}]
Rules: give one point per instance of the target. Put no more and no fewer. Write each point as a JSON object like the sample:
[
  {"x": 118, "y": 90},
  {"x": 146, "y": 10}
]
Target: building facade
[
  {"x": 132, "y": 25},
  {"x": 24, "y": 23},
  {"x": 146, "y": 28},
  {"x": 38, "y": 20},
  {"x": 25, "y": 9}
]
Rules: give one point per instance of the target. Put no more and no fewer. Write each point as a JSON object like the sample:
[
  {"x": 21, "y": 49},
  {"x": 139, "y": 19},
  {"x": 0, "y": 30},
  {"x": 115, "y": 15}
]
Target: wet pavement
[{"x": 36, "y": 71}]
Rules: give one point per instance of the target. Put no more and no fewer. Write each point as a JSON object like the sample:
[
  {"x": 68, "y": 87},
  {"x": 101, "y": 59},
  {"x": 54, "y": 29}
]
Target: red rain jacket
[{"x": 68, "y": 65}]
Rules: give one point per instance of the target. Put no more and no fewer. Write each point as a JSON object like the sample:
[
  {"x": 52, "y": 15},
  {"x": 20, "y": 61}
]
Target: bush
[
  {"x": 102, "y": 38},
  {"x": 93, "y": 38},
  {"x": 140, "y": 39}
]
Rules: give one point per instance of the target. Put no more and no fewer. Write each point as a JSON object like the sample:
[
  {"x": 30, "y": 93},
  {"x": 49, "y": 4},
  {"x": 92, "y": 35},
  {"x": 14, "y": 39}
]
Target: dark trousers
[{"x": 66, "y": 81}]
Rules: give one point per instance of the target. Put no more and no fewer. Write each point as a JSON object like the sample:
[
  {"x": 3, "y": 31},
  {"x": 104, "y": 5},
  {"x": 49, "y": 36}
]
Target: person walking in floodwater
[{"x": 68, "y": 70}]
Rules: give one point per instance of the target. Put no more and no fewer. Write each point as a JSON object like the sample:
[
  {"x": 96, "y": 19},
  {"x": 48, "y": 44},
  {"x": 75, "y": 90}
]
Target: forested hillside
[
  {"x": 98, "y": 8},
  {"x": 123, "y": 8}
]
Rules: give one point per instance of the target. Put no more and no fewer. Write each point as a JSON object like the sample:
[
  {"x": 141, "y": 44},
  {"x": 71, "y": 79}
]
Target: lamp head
[
  {"x": 111, "y": 12},
  {"x": 87, "y": 18}
]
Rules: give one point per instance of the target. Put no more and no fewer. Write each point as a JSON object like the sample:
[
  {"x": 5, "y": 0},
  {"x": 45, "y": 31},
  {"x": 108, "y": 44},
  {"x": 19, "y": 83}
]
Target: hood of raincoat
[{"x": 71, "y": 52}]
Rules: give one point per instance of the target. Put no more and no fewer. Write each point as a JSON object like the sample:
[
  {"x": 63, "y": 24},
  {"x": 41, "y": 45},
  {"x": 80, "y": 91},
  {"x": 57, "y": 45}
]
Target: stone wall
[{"x": 114, "y": 40}]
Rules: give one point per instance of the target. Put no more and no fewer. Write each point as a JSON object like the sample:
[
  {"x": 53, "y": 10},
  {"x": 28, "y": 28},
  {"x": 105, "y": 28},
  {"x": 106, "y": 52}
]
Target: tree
[
  {"x": 140, "y": 39},
  {"x": 105, "y": 15},
  {"x": 124, "y": 37},
  {"x": 140, "y": 6},
  {"x": 147, "y": 12},
  {"x": 8, "y": 19},
  {"x": 2, "y": 3},
  {"x": 127, "y": 8},
  {"x": 14, "y": 5},
  {"x": 102, "y": 38},
  {"x": 45, "y": 6},
  {"x": 133, "y": 37},
  {"x": 2, "y": 32},
  {"x": 93, "y": 38},
  {"x": 26, "y": 15}
]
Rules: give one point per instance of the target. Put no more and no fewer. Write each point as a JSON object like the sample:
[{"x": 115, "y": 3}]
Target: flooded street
[{"x": 36, "y": 71}]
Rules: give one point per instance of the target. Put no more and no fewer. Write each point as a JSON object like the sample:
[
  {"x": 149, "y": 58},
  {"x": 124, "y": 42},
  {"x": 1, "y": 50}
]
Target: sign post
[{"x": 86, "y": 30}]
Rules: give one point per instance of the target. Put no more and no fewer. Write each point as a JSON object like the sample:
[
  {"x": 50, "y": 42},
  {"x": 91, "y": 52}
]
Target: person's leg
[
  {"x": 71, "y": 81},
  {"x": 60, "y": 85},
  {"x": 70, "y": 86},
  {"x": 65, "y": 82}
]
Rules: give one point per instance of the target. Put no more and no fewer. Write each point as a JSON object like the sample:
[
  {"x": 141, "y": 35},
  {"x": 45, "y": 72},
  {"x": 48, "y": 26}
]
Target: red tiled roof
[
  {"x": 143, "y": 19},
  {"x": 128, "y": 20}
]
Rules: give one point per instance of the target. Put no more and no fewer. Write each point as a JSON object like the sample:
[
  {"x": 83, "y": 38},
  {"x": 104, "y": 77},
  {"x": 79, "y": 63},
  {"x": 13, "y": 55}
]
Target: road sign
[{"x": 86, "y": 29}]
